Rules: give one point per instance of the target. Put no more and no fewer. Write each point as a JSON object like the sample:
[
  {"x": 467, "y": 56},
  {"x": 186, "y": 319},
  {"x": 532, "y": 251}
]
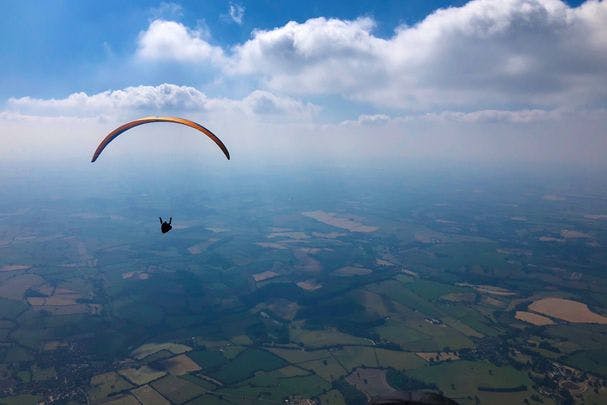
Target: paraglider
[
  {"x": 146, "y": 120},
  {"x": 164, "y": 226}
]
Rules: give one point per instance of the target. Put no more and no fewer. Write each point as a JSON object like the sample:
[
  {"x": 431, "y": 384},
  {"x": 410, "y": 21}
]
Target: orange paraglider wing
[{"x": 146, "y": 120}]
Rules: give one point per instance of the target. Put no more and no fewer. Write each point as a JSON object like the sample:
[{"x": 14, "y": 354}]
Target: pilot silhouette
[{"x": 165, "y": 226}]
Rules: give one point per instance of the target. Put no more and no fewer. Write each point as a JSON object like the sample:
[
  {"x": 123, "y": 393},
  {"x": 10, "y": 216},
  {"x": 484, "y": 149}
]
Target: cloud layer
[
  {"x": 163, "y": 98},
  {"x": 487, "y": 53}
]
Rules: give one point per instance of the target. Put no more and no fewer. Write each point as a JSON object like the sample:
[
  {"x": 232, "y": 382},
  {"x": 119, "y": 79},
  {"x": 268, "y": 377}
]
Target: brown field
[
  {"x": 438, "y": 356},
  {"x": 284, "y": 308},
  {"x": 489, "y": 289},
  {"x": 59, "y": 297},
  {"x": 122, "y": 400},
  {"x": 550, "y": 239},
  {"x": 306, "y": 262},
  {"x": 61, "y": 301},
  {"x": 493, "y": 302},
  {"x": 141, "y": 375},
  {"x": 343, "y": 223},
  {"x": 202, "y": 246},
  {"x": 149, "y": 396},
  {"x": 103, "y": 385},
  {"x": 570, "y": 234},
  {"x": 180, "y": 365},
  {"x": 428, "y": 237},
  {"x": 328, "y": 235},
  {"x": 516, "y": 252},
  {"x": 309, "y": 285},
  {"x": 371, "y": 381},
  {"x": 459, "y": 297},
  {"x": 15, "y": 287},
  {"x": 353, "y": 271},
  {"x": 409, "y": 272},
  {"x": 312, "y": 251},
  {"x": 289, "y": 235},
  {"x": 53, "y": 345},
  {"x": 177, "y": 390},
  {"x": 535, "y": 319},
  {"x": 567, "y": 310},
  {"x": 266, "y": 275},
  {"x": 93, "y": 309},
  {"x": 375, "y": 303},
  {"x": 15, "y": 267},
  {"x": 271, "y": 245}
]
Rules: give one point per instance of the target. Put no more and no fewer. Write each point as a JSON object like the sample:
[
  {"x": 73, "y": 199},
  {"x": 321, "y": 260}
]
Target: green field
[
  {"x": 461, "y": 379},
  {"x": 246, "y": 364}
]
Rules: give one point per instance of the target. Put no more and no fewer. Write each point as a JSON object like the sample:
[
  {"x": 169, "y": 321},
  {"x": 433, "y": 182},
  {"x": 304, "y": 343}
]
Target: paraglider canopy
[{"x": 146, "y": 120}]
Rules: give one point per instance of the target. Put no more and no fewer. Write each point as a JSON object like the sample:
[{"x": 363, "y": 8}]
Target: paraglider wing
[{"x": 146, "y": 120}]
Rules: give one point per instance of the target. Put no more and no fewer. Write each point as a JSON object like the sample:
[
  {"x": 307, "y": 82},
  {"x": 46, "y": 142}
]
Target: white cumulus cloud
[
  {"x": 173, "y": 41},
  {"x": 486, "y": 53}
]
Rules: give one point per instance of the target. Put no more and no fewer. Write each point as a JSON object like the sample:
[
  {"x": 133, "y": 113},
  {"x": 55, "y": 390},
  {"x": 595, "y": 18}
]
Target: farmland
[{"x": 251, "y": 300}]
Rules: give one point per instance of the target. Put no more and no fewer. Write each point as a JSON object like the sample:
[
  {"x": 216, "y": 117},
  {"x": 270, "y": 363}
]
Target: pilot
[{"x": 165, "y": 226}]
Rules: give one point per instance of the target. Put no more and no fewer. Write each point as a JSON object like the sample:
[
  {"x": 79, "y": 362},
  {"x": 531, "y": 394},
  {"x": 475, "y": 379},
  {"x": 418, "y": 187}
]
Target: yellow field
[
  {"x": 141, "y": 375},
  {"x": 532, "y": 318},
  {"x": 266, "y": 275},
  {"x": 343, "y": 223},
  {"x": 180, "y": 365},
  {"x": 567, "y": 310}
]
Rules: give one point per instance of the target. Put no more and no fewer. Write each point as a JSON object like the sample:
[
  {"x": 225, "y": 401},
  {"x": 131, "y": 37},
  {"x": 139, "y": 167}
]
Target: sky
[{"x": 513, "y": 81}]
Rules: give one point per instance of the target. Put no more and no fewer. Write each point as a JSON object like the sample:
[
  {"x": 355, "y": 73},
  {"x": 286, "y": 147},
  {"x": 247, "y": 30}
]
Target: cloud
[
  {"x": 513, "y": 117},
  {"x": 495, "y": 116},
  {"x": 538, "y": 53},
  {"x": 166, "y": 10},
  {"x": 368, "y": 120},
  {"x": 163, "y": 99},
  {"x": 144, "y": 98},
  {"x": 173, "y": 41},
  {"x": 236, "y": 12}
]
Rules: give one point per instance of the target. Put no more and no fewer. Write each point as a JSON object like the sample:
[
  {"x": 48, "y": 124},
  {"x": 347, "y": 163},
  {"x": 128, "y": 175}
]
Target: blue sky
[
  {"x": 63, "y": 47},
  {"x": 428, "y": 76}
]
